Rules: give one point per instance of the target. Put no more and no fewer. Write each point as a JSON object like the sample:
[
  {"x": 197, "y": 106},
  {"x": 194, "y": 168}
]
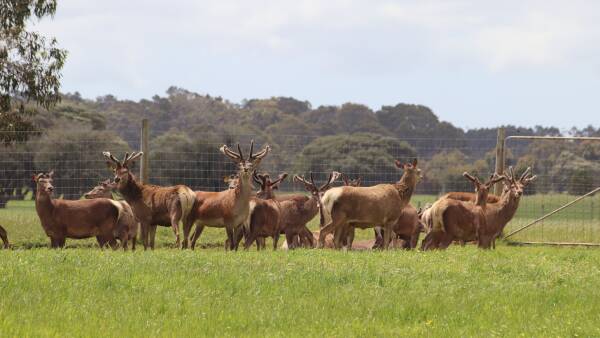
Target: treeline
[{"x": 352, "y": 138}]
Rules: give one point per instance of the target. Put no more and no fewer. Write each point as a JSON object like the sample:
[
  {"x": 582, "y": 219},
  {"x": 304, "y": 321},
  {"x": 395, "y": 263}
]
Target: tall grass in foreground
[{"x": 460, "y": 292}]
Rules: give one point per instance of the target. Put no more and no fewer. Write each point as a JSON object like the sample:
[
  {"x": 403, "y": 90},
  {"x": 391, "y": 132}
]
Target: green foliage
[
  {"x": 30, "y": 66},
  {"x": 363, "y": 153},
  {"x": 75, "y": 156}
]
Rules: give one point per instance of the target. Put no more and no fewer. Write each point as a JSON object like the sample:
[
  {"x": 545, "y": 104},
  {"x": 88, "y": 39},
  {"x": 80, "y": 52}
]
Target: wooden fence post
[
  {"x": 500, "y": 158},
  {"x": 144, "y": 144}
]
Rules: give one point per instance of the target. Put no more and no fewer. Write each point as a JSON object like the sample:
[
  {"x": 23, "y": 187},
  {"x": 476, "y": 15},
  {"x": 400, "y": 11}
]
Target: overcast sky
[{"x": 475, "y": 63}]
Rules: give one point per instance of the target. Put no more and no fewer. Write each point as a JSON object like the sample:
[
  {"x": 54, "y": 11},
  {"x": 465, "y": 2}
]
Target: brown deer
[
  {"x": 152, "y": 205},
  {"x": 408, "y": 229},
  {"x": 455, "y": 220},
  {"x": 62, "y": 219},
  {"x": 4, "y": 237},
  {"x": 228, "y": 209},
  {"x": 298, "y": 210},
  {"x": 367, "y": 207},
  {"x": 105, "y": 190}
]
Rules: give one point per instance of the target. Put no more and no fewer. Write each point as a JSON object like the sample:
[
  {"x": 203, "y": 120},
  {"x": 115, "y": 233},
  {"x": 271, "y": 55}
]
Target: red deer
[
  {"x": 367, "y": 207},
  {"x": 4, "y": 237},
  {"x": 455, "y": 220},
  {"x": 298, "y": 210},
  {"x": 152, "y": 205},
  {"x": 62, "y": 219},
  {"x": 265, "y": 213},
  {"x": 408, "y": 229},
  {"x": 104, "y": 190},
  {"x": 228, "y": 209}
]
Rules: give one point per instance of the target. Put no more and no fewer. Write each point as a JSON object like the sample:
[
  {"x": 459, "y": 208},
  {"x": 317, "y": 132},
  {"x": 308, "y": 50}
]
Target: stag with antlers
[
  {"x": 455, "y": 220},
  {"x": 151, "y": 204},
  {"x": 367, "y": 207},
  {"x": 228, "y": 209},
  {"x": 298, "y": 210}
]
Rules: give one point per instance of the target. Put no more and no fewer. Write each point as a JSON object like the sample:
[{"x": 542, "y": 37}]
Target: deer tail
[
  {"x": 437, "y": 216},
  {"x": 187, "y": 198}
]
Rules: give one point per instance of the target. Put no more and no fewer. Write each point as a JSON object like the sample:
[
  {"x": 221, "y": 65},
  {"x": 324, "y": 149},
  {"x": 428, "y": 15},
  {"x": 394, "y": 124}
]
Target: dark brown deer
[
  {"x": 4, "y": 237},
  {"x": 105, "y": 190},
  {"x": 152, "y": 205},
  {"x": 62, "y": 219},
  {"x": 367, "y": 207},
  {"x": 408, "y": 229},
  {"x": 228, "y": 209},
  {"x": 298, "y": 210},
  {"x": 455, "y": 220}
]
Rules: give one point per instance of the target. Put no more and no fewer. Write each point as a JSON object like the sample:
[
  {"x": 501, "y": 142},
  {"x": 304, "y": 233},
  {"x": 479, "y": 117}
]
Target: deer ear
[
  {"x": 399, "y": 164},
  {"x": 34, "y": 177},
  {"x": 414, "y": 162},
  {"x": 51, "y": 174}
]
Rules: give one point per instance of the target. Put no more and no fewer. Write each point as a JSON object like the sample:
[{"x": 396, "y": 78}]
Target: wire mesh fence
[{"x": 564, "y": 170}]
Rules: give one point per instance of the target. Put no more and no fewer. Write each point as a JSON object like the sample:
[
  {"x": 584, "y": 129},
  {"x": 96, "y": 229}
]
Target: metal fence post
[
  {"x": 500, "y": 158},
  {"x": 144, "y": 168}
]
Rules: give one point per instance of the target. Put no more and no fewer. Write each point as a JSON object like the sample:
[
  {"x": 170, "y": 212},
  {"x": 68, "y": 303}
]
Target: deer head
[
  {"x": 44, "y": 182},
  {"x": 266, "y": 185},
  {"x": 121, "y": 169},
  {"x": 351, "y": 182},
  {"x": 411, "y": 172},
  {"x": 483, "y": 189},
  {"x": 312, "y": 187},
  {"x": 102, "y": 190},
  {"x": 516, "y": 187},
  {"x": 245, "y": 165}
]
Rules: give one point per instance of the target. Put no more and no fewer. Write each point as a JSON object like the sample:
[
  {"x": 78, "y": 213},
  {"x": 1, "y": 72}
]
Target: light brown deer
[
  {"x": 367, "y": 207},
  {"x": 62, "y": 219},
  {"x": 4, "y": 237},
  {"x": 455, "y": 220},
  {"x": 228, "y": 209},
  {"x": 105, "y": 190},
  {"x": 298, "y": 210},
  {"x": 152, "y": 205}
]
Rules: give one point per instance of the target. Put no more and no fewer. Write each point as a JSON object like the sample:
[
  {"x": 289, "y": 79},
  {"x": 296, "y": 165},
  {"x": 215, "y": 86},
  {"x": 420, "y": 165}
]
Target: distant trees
[{"x": 30, "y": 66}]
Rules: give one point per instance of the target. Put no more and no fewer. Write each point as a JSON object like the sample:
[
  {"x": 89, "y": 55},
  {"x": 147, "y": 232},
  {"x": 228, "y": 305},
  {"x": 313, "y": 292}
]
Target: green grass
[{"x": 83, "y": 291}]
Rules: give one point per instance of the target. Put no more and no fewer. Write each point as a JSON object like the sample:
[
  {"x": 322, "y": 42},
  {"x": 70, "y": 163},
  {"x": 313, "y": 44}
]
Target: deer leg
[
  {"x": 152, "y": 235},
  {"x": 175, "y": 217},
  {"x": 350, "y": 237},
  {"x": 101, "y": 242},
  {"x": 338, "y": 237},
  {"x": 289, "y": 238},
  {"x": 145, "y": 227},
  {"x": 187, "y": 228},
  {"x": 445, "y": 241},
  {"x": 378, "y": 238},
  {"x": 61, "y": 242},
  {"x": 387, "y": 236},
  {"x": 196, "y": 235},
  {"x": 307, "y": 236},
  {"x": 229, "y": 244},
  {"x": 251, "y": 237},
  {"x": 276, "y": 240},
  {"x": 4, "y": 237}
]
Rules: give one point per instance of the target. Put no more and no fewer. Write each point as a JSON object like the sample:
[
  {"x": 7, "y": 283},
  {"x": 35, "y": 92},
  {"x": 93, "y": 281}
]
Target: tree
[
  {"x": 30, "y": 66},
  {"x": 369, "y": 155}
]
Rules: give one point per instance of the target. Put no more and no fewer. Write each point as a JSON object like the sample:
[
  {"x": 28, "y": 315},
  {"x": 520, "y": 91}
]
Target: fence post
[
  {"x": 144, "y": 144},
  {"x": 500, "y": 158}
]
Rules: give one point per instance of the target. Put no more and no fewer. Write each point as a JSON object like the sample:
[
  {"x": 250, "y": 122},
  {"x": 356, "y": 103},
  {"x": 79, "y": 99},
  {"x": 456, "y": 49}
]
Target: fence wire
[{"x": 565, "y": 170}]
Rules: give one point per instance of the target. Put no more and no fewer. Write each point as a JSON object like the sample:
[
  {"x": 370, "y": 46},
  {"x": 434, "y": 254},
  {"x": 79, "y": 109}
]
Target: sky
[{"x": 474, "y": 63}]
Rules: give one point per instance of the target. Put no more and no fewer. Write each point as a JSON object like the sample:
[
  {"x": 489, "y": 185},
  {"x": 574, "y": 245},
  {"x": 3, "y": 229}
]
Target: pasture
[{"x": 79, "y": 291}]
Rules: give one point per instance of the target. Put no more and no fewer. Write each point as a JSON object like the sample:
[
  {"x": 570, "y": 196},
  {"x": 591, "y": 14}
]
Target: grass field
[{"x": 82, "y": 291}]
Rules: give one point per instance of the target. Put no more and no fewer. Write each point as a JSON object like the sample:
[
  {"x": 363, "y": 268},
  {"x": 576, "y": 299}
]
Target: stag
[
  {"x": 4, "y": 237},
  {"x": 105, "y": 190},
  {"x": 455, "y": 220},
  {"x": 62, "y": 219},
  {"x": 228, "y": 209},
  {"x": 152, "y": 205},
  {"x": 366, "y": 207}
]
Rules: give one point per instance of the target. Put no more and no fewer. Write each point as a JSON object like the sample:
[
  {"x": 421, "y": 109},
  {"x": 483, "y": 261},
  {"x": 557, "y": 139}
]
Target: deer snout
[
  {"x": 49, "y": 189},
  {"x": 117, "y": 179}
]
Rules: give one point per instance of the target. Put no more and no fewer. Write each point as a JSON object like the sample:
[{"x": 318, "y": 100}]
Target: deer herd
[{"x": 252, "y": 216}]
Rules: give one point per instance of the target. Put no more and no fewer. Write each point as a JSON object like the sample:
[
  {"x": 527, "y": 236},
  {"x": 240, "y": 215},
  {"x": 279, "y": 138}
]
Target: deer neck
[
  {"x": 406, "y": 187},
  {"x": 132, "y": 191},
  {"x": 43, "y": 204},
  {"x": 243, "y": 191},
  {"x": 504, "y": 212}
]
